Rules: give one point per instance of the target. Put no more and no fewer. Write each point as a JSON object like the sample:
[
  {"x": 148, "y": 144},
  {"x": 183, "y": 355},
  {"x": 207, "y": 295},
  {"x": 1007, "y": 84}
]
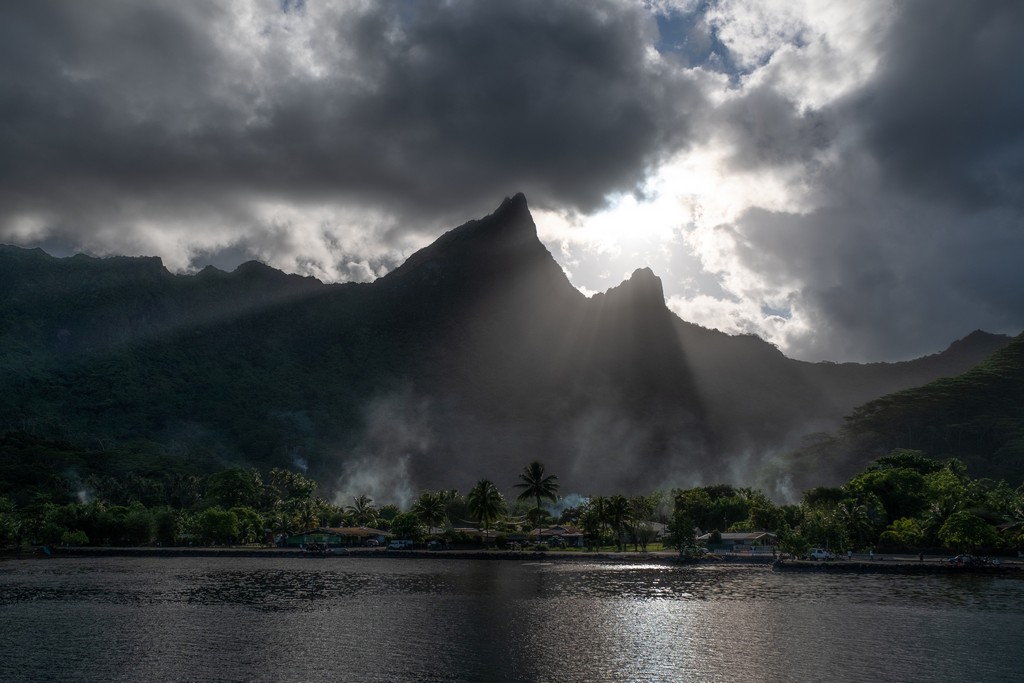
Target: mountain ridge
[{"x": 477, "y": 344}]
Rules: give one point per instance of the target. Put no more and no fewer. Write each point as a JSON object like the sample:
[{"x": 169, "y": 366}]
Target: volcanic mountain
[{"x": 471, "y": 359}]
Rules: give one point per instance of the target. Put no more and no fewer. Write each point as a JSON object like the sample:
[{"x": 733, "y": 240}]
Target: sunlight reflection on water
[{"x": 289, "y": 619}]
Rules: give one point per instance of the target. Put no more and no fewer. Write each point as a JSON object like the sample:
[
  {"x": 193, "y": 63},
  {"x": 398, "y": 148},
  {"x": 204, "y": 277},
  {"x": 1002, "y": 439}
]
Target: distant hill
[
  {"x": 977, "y": 416},
  {"x": 471, "y": 359}
]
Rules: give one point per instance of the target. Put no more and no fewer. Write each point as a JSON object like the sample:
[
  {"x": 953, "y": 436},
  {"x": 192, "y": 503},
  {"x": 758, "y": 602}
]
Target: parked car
[
  {"x": 372, "y": 543},
  {"x": 400, "y": 545},
  {"x": 820, "y": 554}
]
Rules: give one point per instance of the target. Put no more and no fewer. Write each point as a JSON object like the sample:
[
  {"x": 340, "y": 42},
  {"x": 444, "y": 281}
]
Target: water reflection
[
  {"x": 303, "y": 590},
  {"x": 379, "y": 620}
]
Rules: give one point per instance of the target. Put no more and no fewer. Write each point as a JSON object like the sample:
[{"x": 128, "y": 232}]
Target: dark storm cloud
[
  {"x": 764, "y": 128},
  {"x": 922, "y": 276},
  {"x": 945, "y": 118},
  {"x": 333, "y": 138},
  {"x": 915, "y": 227},
  {"x": 128, "y": 111},
  {"x": 558, "y": 98}
]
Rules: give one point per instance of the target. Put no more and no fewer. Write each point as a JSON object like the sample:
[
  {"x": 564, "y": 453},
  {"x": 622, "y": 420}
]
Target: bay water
[{"x": 362, "y": 619}]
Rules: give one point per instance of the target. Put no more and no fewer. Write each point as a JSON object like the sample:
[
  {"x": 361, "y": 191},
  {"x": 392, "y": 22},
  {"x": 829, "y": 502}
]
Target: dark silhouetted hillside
[
  {"x": 471, "y": 359},
  {"x": 977, "y": 416}
]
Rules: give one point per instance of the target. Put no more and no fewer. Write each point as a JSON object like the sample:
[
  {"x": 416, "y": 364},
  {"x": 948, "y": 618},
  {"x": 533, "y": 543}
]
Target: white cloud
[{"x": 785, "y": 140}]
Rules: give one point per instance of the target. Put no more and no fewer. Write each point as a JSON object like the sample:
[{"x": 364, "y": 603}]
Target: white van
[
  {"x": 400, "y": 545},
  {"x": 820, "y": 554}
]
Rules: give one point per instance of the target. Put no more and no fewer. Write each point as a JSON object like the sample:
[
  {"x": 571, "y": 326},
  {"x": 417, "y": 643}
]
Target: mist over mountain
[{"x": 471, "y": 359}]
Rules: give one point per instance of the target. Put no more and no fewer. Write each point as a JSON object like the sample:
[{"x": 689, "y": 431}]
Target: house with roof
[
  {"x": 745, "y": 541},
  {"x": 336, "y": 537},
  {"x": 568, "y": 536}
]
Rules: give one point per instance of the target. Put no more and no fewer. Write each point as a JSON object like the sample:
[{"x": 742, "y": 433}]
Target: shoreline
[
  {"x": 628, "y": 557},
  {"x": 896, "y": 566},
  {"x": 892, "y": 565}
]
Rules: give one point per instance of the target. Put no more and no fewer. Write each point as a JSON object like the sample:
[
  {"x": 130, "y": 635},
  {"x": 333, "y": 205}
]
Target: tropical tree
[
  {"x": 235, "y": 487},
  {"x": 454, "y": 504},
  {"x": 681, "y": 526},
  {"x": 183, "y": 490},
  {"x": 857, "y": 520},
  {"x": 362, "y": 510},
  {"x": 904, "y": 532},
  {"x": 407, "y": 525},
  {"x": 593, "y": 518},
  {"x": 218, "y": 525},
  {"x": 793, "y": 543},
  {"x": 334, "y": 515},
  {"x": 250, "y": 524},
  {"x": 137, "y": 525},
  {"x": 537, "y": 486},
  {"x": 640, "y": 510},
  {"x": 76, "y": 537},
  {"x": 824, "y": 527},
  {"x": 486, "y": 504},
  {"x": 618, "y": 515},
  {"x": 10, "y": 524},
  {"x": 431, "y": 509},
  {"x": 282, "y": 521},
  {"x": 308, "y": 512},
  {"x": 386, "y": 514},
  {"x": 965, "y": 530},
  {"x": 167, "y": 523},
  {"x": 287, "y": 485}
]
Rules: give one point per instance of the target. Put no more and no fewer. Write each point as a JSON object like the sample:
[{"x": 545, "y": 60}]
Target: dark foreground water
[{"x": 349, "y": 619}]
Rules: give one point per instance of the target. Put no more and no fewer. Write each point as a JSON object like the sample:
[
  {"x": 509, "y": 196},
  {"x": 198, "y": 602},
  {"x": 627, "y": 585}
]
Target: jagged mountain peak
[
  {"x": 478, "y": 348},
  {"x": 507, "y": 225},
  {"x": 514, "y": 206},
  {"x": 646, "y": 284},
  {"x": 643, "y": 289},
  {"x": 498, "y": 245}
]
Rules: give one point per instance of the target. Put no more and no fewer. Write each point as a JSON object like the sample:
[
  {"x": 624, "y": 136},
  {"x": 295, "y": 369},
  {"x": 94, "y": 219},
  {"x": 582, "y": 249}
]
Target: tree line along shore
[{"x": 902, "y": 502}]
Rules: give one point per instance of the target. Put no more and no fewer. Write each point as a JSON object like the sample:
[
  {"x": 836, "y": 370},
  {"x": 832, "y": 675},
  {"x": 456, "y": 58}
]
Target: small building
[
  {"x": 336, "y": 537},
  {"x": 359, "y": 535},
  {"x": 568, "y": 536},
  {"x": 746, "y": 541},
  {"x": 311, "y": 536}
]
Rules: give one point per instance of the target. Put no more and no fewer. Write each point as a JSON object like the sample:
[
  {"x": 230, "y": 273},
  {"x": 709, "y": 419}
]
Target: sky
[{"x": 845, "y": 180}]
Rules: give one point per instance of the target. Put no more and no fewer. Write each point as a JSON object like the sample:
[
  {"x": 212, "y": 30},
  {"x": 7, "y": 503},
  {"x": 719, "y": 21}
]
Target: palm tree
[
  {"x": 309, "y": 514},
  {"x": 538, "y": 487},
  {"x": 485, "y": 503},
  {"x": 431, "y": 509},
  {"x": 859, "y": 527},
  {"x": 454, "y": 504},
  {"x": 282, "y": 521},
  {"x": 618, "y": 512},
  {"x": 362, "y": 510},
  {"x": 640, "y": 510}
]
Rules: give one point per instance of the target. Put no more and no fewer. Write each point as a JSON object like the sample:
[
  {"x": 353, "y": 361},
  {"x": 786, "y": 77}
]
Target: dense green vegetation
[
  {"x": 476, "y": 335},
  {"x": 903, "y": 501},
  {"x": 975, "y": 416},
  {"x": 127, "y": 394}
]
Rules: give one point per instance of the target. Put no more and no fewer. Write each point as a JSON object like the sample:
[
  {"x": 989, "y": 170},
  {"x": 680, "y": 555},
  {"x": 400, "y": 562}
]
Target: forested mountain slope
[
  {"x": 473, "y": 357},
  {"x": 977, "y": 417}
]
